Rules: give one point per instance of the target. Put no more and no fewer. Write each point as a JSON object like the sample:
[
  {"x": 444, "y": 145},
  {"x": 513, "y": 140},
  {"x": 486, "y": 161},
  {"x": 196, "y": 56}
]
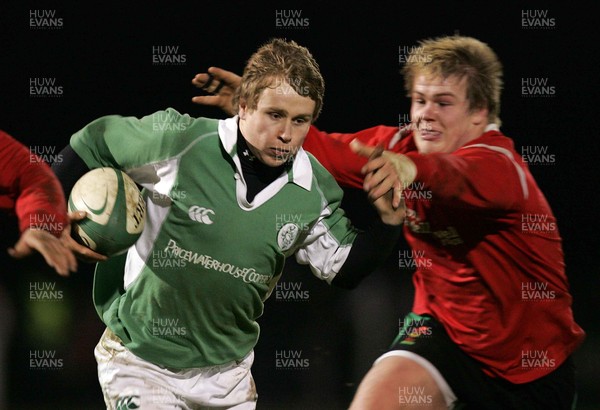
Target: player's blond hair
[
  {"x": 463, "y": 57},
  {"x": 281, "y": 61}
]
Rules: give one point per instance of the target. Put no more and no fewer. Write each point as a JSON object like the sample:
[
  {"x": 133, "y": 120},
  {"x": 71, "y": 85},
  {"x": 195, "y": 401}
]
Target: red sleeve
[
  {"x": 28, "y": 183},
  {"x": 475, "y": 177},
  {"x": 333, "y": 152}
]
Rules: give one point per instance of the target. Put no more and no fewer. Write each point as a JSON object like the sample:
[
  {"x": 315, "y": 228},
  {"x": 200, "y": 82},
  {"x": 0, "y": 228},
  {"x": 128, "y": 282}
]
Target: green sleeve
[
  {"x": 129, "y": 142},
  {"x": 336, "y": 220}
]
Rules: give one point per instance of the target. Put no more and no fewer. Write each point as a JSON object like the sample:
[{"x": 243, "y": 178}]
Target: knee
[{"x": 398, "y": 383}]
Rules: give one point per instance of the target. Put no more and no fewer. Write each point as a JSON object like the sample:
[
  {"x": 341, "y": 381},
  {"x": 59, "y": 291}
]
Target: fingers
[
  {"x": 380, "y": 175},
  {"x": 377, "y": 152},
  {"x": 207, "y": 82},
  {"x": 215, "y": 79},
  {"x": 20, "y": 250},
  {"x": 88, "y": 255},
  {"x": 51, "y": 248},
  {"x": 212, "y": 100},
  {"x": 379, "y": 179},
  {"x": 80, "y": 251},
  {"x": 389, "y": 214},
  {"x": 397, "y": 197},
  {"x": 77, "y": 216},
  {"x": 385, "y": 171},
  {"x": 60, "y": 258},
  {"x": 221, "y": 97},
  {"x": 373, "y": 153},
  {"x": 85, "y": 254},
  {"x": 228, "y": 77},
  {"x": 221, "y": 84},
  {"x": 361, "y": 149}
]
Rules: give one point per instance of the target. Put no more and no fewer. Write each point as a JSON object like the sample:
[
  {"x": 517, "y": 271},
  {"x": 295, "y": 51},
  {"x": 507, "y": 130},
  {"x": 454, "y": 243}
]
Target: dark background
[{"x": 101, "y": 57}]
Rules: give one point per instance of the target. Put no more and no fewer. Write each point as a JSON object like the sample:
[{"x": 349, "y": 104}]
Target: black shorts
[{"x": 426, "y": 337}]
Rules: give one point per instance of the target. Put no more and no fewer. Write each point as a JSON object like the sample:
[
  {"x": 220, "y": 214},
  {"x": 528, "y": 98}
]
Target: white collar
[{"x": 301, "y": 173}]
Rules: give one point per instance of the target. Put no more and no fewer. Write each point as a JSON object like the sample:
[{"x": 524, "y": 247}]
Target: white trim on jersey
[
  {"x": 491, "y": 127},
  {"x": 301, "y": 169},
  {"x": 504, "y": 151},
  {"x": 157, "y": 177},
  {"x": 322, "y": 253},
  {"x": 320, "y": 250},
  {"x": 133, "y": 267},
  {"x": 156, "y": 214},
  {"x": 395, "y": 139}
]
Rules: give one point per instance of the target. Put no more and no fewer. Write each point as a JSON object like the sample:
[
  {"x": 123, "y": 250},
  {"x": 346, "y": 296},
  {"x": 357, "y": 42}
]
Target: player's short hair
[
  {"x": 463, "y": 57},
  {"x": 283, "y": 61}
]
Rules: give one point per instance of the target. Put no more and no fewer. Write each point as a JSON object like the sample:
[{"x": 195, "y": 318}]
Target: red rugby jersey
[
  {"x": 29, "y": 188},
  {"x": 486, "y": 247}
]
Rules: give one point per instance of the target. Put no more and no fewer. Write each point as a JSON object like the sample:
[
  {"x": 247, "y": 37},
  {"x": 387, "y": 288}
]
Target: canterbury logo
[
  {"x": 200, "y": 214},
  {"x": 128, "y": 403}
]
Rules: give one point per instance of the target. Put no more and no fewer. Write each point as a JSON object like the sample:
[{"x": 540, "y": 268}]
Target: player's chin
[
  {"x": 429, "y": 147},
  {"x": 276, "y": 161}
]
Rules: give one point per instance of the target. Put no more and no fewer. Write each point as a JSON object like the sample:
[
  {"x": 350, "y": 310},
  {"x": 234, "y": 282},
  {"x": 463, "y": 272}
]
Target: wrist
[
  {"x": 395, "y": 218},
  {"x": 405, "y": 168}
]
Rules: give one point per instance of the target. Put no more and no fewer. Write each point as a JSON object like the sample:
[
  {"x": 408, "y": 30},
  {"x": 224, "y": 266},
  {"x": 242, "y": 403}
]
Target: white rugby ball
[{"x": 115, "y": 210}]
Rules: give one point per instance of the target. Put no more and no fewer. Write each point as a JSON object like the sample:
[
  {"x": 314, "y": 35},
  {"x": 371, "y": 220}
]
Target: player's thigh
[
  {"x": 398, "y": 383},
  {"x": 128, "y": 381}
]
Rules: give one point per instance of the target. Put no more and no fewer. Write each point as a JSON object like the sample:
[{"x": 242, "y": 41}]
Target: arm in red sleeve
[
  {"x": 333, "y": 152},
  {"x": 38, "y": 196},
  {"x": 473, "y": 177}
]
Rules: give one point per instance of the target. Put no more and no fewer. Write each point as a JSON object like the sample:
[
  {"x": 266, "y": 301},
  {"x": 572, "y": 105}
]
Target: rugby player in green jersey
[{"x": 227, "y": 202}]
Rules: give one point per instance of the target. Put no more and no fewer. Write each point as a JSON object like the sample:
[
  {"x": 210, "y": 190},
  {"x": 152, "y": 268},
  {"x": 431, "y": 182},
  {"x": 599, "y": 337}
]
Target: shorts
[
  {"x": 462, "y": 380},
  {"x": 129, "y": 382}
]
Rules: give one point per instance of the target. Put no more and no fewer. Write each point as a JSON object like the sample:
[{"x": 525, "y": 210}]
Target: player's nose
[{"x": 285, "y": 133}]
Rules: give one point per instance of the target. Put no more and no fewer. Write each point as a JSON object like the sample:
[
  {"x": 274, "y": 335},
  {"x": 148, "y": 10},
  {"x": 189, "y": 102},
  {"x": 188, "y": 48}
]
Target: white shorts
[{"x": 129, "y": 382}]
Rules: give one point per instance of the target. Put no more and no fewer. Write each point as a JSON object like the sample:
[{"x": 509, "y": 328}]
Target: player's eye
[{"x": 300, "y": 121}]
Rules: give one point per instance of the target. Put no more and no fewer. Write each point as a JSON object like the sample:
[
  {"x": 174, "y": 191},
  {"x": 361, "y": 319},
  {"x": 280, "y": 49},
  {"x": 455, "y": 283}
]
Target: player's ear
[
  {"x": 479, "y": 116},
  {"x": 242, "y": 109}
]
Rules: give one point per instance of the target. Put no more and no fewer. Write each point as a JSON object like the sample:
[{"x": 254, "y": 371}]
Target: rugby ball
[{"x": 115, "y": 211}]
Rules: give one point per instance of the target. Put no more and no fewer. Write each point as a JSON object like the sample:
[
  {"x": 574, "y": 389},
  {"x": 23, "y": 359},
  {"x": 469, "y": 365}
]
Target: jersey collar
[{"x": 301, "y": 171}]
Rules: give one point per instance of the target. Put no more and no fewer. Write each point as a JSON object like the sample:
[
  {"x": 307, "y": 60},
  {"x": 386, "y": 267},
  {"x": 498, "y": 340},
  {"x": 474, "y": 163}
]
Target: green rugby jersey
[{"x": 189, "y": 292}]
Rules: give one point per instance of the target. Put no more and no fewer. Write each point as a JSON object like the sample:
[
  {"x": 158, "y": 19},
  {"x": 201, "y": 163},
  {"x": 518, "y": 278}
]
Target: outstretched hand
[
  {"x": 385, "y": 171},
  {"x": 55, "y": 254},
  {"x": 81, "y": 252},
  {"x": 221, "y": 84}
]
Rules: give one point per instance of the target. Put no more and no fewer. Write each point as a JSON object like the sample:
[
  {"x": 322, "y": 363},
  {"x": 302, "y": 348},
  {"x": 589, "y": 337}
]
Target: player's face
[
  {"x": 441, "y": 116},
  {"x": 276, "y": 129}
]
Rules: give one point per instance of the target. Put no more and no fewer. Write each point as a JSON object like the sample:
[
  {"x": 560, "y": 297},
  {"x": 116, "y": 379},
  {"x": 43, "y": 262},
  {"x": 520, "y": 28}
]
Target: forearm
[
  {"x": 334, "y": 153},
  {"x": 39, "y": 200}
]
